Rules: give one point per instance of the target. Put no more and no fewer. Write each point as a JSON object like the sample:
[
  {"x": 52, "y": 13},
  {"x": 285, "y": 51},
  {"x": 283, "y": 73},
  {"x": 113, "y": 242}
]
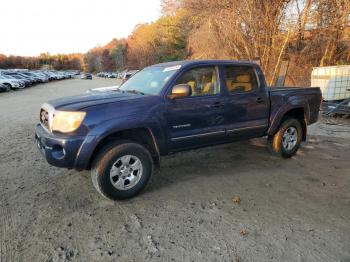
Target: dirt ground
[{"x": 233, "y": 202}]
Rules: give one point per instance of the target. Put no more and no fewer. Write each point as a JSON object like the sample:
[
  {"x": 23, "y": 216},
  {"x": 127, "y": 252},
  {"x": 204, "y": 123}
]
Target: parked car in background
[
  {"x": 167, "y": 108},
  {"x": 113, "y": 75},
  {"x": 51, "y": 75},
  {"x": 11, "y": 83},
  {"x": 28, "y": 81},
  {"x": 125, "y": 76},
  {"x": 86, "y": 76},
  {"x": 44, "y": 78},
  {"x": 35, "y": 77},
  {"x": 20, "y": 78},
  {"x": 107, "y": 74}
]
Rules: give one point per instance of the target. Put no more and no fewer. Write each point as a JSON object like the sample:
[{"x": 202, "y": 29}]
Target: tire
[
  {"x": 117, "y": 178},
  {"x": 288, "y": 146},
  {"x": 9, "y": 87}
]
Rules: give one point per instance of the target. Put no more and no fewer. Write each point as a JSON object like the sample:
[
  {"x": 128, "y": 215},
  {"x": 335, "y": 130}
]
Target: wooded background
[{"x": 307, "y": 33}]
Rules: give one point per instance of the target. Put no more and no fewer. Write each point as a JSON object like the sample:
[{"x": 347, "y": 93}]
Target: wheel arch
[
  {"x": 299, "y": 113},
  {"x": 8, "y": 84},
  {"x": 141, "y": 135}
]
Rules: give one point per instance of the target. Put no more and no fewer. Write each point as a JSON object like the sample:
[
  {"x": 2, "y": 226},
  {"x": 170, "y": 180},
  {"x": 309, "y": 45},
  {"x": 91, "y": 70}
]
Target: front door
[{"x": 196, "y": 120}]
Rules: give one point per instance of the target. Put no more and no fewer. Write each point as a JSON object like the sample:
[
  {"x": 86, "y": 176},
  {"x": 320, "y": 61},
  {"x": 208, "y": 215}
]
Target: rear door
[
  {"x": 196, "y": 120},
  {"x": 246, "y": 105}
]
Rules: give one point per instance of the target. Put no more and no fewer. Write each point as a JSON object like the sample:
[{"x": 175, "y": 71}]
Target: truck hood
[{"x": 74, "y": 103}]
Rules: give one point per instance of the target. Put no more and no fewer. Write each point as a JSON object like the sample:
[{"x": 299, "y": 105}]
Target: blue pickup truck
[{"x": 120, "y": 135}]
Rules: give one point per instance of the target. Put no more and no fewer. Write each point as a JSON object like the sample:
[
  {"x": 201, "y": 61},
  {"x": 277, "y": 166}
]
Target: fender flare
[
  {"x": 107, "y": 128},
  {"x": 292, "y": 103}
]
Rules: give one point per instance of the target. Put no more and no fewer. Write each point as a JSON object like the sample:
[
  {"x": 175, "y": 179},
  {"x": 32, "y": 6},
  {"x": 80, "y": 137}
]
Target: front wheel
[
  {"x": 9, "y": 87},
  {"x": 287, "y": 140},
  {"x": 121, "y": 170}
]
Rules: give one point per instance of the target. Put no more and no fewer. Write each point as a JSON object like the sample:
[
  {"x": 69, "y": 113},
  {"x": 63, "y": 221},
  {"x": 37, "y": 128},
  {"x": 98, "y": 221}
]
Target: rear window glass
[{"x": 240, "y": 79}]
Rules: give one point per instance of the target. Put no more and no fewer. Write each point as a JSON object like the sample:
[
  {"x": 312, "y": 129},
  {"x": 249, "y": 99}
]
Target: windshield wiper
[{"x": 133, "y": 91}]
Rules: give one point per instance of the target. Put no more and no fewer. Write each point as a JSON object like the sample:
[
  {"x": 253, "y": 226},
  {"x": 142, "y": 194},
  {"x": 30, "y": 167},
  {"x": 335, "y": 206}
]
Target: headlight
[{"x": 66, "y": 122}]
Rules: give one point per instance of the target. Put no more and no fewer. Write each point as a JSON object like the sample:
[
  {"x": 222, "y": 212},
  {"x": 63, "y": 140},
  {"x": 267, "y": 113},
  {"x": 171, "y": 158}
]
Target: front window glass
[
  {"x": 203, "y": 81},
  {"x": 150, "y": 80},
  {"x": 18, "y": 76}
]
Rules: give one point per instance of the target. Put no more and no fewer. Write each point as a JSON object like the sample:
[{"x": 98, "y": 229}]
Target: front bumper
[
  {"x": 4, "y": 88},
  {"x": 18, "y": 86},
  {"x": 59, "y": 150}
]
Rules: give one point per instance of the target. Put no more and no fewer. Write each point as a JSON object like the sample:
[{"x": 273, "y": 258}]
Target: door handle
[
  {"x": 259, "y": 100},
  {"x": 216, "y": 105}
]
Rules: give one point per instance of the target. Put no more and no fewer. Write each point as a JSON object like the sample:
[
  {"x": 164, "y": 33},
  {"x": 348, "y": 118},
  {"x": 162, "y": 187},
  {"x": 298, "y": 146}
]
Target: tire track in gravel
[
  {"x": 20, "y": 184},
  {"x": 8, "y": 251}
]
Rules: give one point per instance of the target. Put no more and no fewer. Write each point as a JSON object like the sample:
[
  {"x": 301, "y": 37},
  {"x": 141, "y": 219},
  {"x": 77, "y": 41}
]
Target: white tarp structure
[{"x": 334, "y": 81}]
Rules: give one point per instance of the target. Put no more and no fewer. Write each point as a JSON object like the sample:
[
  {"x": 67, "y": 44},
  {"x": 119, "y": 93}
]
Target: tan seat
[
  {"x": 229, "y": 84},
  {"x": 242, "y": 83},
  {"x": 209, "y": 86}
]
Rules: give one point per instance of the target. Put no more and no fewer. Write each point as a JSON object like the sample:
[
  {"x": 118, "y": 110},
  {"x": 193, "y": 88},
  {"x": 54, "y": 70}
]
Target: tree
[
  {"x": 106, "y": 61},
  {"x": 308, "y": 33},
  {"x": 119, "y": 55}
]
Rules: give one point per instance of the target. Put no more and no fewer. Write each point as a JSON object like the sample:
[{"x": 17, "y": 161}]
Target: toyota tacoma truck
[{"x": 170, "y": 107}]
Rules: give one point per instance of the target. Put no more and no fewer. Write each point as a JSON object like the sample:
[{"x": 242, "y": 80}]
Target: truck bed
[{"x": 309, "y": 98}]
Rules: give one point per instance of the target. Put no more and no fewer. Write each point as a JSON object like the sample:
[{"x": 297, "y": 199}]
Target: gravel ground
[{"x": 233, "y": 202}]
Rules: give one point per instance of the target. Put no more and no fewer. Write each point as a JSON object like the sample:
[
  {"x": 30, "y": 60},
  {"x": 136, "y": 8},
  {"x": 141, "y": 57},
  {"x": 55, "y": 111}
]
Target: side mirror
[{"x": 179, "y": 91}]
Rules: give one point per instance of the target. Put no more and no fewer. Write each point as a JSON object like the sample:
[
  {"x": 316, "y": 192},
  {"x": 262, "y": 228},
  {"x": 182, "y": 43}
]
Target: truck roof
[{"x": 204, "y": 62}]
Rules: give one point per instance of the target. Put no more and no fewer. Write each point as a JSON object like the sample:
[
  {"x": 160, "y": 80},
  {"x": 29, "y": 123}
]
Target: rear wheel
[
  {"x": 287, "y": 140},
  {"x": 121, "y": 170}
]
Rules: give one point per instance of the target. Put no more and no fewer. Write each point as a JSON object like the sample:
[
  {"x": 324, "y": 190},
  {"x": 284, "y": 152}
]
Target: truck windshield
[{"x": 150, "y": 80}]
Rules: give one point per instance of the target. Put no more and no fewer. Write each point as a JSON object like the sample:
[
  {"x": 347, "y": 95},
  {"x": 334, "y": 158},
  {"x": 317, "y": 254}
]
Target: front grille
[{"x": 44, "y": 118}]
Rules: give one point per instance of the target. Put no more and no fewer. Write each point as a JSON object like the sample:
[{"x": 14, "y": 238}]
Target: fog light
[{"x": 58, "y": 152}]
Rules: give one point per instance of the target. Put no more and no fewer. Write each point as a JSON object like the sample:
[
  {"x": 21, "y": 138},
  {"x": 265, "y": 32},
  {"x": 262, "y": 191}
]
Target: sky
[{"x": 32, "y": 27}]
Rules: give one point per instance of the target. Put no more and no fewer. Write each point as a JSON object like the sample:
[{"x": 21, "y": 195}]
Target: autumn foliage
[
  {"x": 58, "y": 62},
  {"x": 306, "y": 33}
]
